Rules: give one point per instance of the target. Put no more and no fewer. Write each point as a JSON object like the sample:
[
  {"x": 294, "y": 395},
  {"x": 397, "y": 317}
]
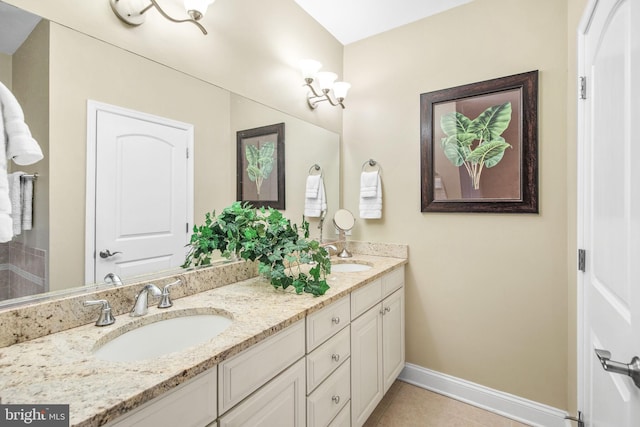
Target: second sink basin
[
  {"x": 349, "y": 267},
  {"x": 162, "y": 337}
]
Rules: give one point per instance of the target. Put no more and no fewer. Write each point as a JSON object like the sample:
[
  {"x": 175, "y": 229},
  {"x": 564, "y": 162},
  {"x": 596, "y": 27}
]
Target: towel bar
[
  {"x": 29, "y": 176},
  {"x": 371, "y": 163},
  {"x": 316, "y": 167}
]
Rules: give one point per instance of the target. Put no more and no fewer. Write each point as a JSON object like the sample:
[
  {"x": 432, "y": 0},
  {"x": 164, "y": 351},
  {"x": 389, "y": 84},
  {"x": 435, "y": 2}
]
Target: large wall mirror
[{"x": 55, "y": 73}]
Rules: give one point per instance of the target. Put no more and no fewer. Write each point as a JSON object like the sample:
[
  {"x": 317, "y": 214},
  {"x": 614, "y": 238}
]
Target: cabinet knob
[
  {"x": 335, "y": 357},
  {"x": 336, "y": 320},
  {"x": 387, "y": 309},
  {"x": 336, "y": 399}
]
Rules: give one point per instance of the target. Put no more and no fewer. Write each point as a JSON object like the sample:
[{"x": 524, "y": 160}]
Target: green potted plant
[{"x": 266, "y": 236}]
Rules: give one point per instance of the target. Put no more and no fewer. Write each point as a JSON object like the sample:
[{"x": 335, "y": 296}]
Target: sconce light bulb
[{"x": 309, "y": 68}]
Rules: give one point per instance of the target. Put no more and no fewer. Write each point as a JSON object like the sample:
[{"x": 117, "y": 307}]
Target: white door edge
[
  {"x": 93, "y": 107},
  {"x": 583, "y": 27}
]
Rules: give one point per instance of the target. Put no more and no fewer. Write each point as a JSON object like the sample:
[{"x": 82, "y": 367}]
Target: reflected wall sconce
[
  {"x": 326, "y": 82},
  {"x": 133, "y": 11}
]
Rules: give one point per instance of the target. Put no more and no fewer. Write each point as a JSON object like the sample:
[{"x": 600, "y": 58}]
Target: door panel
[
  {"x": 609, "y": 212},
  {"x": 143, "y": 193}
]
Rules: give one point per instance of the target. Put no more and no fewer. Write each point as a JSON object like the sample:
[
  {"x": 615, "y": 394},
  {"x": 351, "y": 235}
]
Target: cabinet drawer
[
  {"x": 326, "y": 358},
  {"x": 392, "y": 281},
  {"x": 190, "y": 405},
  {"x": 279, "y": 403},
  {"x": 330, "y": 397},
  {"x": 365, "y": 298},
  {"x": 343, "y": 419},
  {"x": 324, "y": 323},
  {"x": 244, "y": 373}
]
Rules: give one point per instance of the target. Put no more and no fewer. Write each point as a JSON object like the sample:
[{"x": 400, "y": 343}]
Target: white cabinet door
[
  {"x": 392, "y": 337},
  {"x": 192, "y": 404},
  {"x": 281, "y": 402},
  {"x": 366, "y": 365}
]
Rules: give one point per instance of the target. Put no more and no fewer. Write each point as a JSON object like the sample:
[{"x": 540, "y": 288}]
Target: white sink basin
[
  {"x": 349, "y": 267},
  {"x": 163, "y": 337}
]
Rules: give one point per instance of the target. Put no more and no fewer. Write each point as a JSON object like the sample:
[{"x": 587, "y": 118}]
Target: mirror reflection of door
[{"x": 142, "y": 190}]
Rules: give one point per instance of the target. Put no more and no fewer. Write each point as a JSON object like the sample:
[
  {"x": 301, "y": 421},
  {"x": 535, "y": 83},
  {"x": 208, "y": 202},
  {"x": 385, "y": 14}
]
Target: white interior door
[
  {"x": 143, "y": 193},
  {"x": 609, "y": 211}
]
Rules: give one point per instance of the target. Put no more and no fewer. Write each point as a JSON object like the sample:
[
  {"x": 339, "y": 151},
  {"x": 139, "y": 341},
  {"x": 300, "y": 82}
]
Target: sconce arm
[{"x": 178, "y": 21}]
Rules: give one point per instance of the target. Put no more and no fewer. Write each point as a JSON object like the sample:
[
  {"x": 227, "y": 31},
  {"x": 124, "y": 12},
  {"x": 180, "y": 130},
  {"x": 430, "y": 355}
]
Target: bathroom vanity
[{"x": 285, "y": 359}]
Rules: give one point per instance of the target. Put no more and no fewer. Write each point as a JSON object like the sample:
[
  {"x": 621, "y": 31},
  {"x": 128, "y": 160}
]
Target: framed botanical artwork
[
  {"x": 479, "y": 146},
  {"x": 260, "y": 166}
]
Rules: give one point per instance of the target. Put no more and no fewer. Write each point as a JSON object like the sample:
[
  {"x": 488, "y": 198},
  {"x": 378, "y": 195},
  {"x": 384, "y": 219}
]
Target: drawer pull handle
[
  {"x": 336, "y": 399},
  {"x": 336, "y": 320},
  {"x": 387, "y": 309},
  {"x": 335, "y": 357}
]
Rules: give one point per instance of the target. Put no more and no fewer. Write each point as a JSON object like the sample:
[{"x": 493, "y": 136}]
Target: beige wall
[
  {"x": 5, "y": 69},
  {"x": 486, "y": 294}
]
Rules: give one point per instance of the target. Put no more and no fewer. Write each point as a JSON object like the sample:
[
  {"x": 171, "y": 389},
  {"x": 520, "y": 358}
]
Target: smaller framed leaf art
[
  {"x": 479, "y": 146},
  {"x": 260, "y": 170}
]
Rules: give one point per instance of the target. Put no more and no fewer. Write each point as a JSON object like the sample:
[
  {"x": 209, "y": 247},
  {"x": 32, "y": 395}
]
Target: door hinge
[
  {"x": 582, "y": 87},
  {"x": 582, "y": 263},
  {"x": 187, "y": 152},
  {"x": 578, "y": 420},
  {"x": 187, "y": 228}
]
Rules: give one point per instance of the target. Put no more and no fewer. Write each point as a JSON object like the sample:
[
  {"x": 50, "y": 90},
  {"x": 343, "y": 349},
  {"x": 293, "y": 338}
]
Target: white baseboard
[{"x": 505, "y": 404}]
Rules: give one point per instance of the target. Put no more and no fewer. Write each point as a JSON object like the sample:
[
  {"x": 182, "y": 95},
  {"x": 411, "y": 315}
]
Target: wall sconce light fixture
[
  {"x": 326, "y": 82},
  {"x": 132, "y": 11}
]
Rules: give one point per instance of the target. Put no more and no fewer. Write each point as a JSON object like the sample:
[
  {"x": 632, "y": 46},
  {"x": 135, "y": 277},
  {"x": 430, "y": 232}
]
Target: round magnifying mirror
[{"x": 343, "y": 220}]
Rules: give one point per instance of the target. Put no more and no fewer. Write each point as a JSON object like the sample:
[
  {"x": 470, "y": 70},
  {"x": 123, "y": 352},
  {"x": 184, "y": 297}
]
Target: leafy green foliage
[
  {"x": 462, "y": 133},
  {"x": 260, "y": 162},
  {"x": 266, "y": 236}
]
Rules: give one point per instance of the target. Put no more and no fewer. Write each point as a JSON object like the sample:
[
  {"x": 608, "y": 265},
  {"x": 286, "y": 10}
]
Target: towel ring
[
  {"x": 372, "y": 163},
  {"x": 316, "y": 167}
]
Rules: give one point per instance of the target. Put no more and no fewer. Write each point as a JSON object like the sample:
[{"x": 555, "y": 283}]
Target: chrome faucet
[
  {"x": 329, "y": 248},
  {"x": 141, "y": 306},
  {"x": 113, "y": 279},
  {"x": 106, "y": 317}
]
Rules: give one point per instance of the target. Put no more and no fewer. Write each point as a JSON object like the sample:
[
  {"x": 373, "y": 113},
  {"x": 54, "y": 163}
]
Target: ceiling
[
  {"x": 15, "y": 26},
  {"x": 353, "y": 20}
]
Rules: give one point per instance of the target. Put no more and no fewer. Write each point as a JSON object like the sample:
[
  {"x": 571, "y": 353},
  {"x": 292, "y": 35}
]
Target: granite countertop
[{"x": 60, "y": 368}]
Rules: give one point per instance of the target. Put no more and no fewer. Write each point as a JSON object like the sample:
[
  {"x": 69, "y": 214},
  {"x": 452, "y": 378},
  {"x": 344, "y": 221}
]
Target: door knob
[
  {"x": 107, "y": 253},
  {"x": 632, "y": 369}
]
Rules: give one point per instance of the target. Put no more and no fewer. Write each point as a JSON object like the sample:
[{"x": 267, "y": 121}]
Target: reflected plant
[
  {"x": 260, "y": 162},
  {"x": 476, "y": 144}
]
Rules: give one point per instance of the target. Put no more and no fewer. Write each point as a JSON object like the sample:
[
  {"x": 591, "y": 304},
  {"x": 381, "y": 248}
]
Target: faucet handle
[
  {"x": 165, "y": 301},
  {"x": 105, "y": 318}
]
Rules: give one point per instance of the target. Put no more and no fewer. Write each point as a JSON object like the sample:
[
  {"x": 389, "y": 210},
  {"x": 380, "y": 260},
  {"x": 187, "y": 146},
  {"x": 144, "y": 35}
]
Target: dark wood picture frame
[
  {"x": 510, "y": 183},
  {"x": 260, "y": 174}
]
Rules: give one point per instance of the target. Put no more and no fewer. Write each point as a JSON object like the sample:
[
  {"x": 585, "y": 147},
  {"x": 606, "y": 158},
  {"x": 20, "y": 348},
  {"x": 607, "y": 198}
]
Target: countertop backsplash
[{"x": 38, "y": 319}]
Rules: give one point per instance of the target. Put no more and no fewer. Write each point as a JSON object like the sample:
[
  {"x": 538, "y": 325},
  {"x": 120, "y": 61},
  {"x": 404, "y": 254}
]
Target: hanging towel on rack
[
  {"x": 27, "y": 204},
  {"x": 370, "y": 195},
  {"x": 315, "y": 201},
  {"x": 15, "y": 195}
]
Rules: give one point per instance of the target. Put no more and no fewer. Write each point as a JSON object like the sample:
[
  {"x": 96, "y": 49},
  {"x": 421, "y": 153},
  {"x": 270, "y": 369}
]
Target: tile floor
[{"x": 406, "y": 405}]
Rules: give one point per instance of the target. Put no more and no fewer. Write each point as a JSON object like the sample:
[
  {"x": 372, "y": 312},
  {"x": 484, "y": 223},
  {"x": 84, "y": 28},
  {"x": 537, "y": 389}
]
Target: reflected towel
[
  {"x": 19, "y": 144},
  {"x": 15, "y": 195},
  {"x": 27, "y": 204},
  {"x": 371, "y": 204},
  {"x": 315, "y": 206}
]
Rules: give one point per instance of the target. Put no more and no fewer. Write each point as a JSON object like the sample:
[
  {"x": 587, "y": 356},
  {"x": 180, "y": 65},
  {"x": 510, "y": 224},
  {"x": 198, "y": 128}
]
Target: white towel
[
  {"x": 15, "y": 195},
  {"x": 27, "y": 204},
  {"x": 369, "y": 184},
  {"x": 370, "y": 195},
  {"x": 20, "y": 145},
  {"x": 313, "y": 186},
  {"x": 315, "y": 206}
]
